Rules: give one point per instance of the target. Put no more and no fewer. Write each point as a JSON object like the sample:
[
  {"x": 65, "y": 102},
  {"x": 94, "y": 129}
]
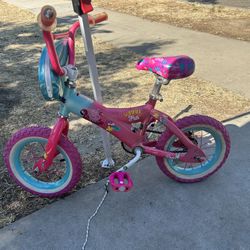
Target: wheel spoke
[
  {"x": 208, "y": 135},
  {"x": 32, "y": 153},
  {"x": 205, "y": 140},
  {"x": 209, "y": 147},
  {"x": 209, "y": 155},
  {"x": 209, "y": 142},
  {"x": 201, "y": 138}
]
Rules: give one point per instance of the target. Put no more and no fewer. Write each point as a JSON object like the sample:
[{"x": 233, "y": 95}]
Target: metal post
[{"x": 89, "y": 50}]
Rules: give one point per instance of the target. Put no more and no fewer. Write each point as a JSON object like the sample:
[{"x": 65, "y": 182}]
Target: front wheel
[
  {"x": 26, "y": 147},
  {"x": 209, "y": 135}
]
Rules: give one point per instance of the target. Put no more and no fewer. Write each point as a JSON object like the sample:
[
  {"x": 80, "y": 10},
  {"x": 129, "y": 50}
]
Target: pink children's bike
[{"x": 43, "y": 161}]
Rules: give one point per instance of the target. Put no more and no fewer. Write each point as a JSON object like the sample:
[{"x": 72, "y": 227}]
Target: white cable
[
  {"x": 138, "y": 152},
  {"x": 94, "y": 214}
]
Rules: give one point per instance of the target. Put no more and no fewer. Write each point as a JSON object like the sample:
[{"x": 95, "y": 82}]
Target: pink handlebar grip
[
  {"x": 47, "y": 18},
  {"x": 97, "y": 18}
]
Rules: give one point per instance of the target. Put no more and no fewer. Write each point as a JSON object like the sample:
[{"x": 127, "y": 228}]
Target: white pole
[{"x": 89, "y": 50}]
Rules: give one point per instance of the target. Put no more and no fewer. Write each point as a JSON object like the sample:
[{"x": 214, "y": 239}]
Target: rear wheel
[
  {"x": 26, "y": 147},
  {"x": 209, "y": 135}
]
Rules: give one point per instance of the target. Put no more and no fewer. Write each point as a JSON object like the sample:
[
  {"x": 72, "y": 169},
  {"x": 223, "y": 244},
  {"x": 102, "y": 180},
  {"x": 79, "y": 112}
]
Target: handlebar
[
  {"x": 47, "y": 18},
  {"x": 47, "y": 21}
]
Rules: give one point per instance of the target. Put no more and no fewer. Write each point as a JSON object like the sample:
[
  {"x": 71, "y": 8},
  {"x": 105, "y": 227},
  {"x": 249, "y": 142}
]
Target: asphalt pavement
[{"x": 158, "y": 213}]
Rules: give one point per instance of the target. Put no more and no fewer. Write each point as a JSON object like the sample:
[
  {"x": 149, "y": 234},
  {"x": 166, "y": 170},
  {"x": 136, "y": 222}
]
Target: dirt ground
[
  {"x": 210, "y": 18},
  {"x": 21, "y": 103}
]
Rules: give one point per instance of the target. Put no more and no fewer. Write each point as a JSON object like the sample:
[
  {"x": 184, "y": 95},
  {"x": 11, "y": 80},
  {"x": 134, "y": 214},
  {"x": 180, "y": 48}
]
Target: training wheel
[{"x": 120, "y": 182}]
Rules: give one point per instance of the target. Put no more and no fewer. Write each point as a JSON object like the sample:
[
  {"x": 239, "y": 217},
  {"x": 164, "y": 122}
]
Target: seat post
[{"x": 155, "y": 93}]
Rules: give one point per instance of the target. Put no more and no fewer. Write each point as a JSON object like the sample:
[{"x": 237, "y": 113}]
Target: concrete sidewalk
[
  {"x": 156, "y": 214},
  {"x": 222, "y": 61}
]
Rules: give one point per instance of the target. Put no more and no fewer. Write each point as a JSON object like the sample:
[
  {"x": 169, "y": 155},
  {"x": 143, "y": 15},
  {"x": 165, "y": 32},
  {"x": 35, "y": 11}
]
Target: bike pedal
[{"x": 120, "y": 182}]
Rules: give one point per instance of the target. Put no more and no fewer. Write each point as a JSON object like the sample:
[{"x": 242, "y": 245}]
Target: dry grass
[
  {"x": 214, "y": 19},
  {"x": 22, "y": 104}
]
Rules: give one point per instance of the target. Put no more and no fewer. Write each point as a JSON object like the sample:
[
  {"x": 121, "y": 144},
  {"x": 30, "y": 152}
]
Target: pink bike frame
[{"x": 117, "y": 121}]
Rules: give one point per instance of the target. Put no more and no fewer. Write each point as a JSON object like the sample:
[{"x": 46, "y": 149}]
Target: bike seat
[{"x": 173, "y": 67}]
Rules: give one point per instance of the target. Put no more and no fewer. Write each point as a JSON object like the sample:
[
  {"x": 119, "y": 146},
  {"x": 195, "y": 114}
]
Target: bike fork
[{"x": 61, "y": 128}]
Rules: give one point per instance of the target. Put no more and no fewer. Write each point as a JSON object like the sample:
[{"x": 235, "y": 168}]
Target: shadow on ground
[{"x": 21, "y": 46}]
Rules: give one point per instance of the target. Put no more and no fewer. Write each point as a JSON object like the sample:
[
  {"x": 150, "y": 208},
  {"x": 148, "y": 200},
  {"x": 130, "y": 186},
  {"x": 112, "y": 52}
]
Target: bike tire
[
  {"x": 28, "y": 142},
  {"x": 189, "y": 173}
]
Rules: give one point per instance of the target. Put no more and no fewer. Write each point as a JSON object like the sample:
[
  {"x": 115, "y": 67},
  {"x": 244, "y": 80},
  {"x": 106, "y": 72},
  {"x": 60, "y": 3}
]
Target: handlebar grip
[
  {"x": 97, "y": 18},
  {"x": 47, "y": 18}
]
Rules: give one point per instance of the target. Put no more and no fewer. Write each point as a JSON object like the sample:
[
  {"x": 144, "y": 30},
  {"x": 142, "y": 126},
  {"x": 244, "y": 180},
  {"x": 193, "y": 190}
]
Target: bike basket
[{"x": 51, "y": 85}]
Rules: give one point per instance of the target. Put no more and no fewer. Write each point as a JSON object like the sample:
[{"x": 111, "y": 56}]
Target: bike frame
[{"x": 117, "y": 121}]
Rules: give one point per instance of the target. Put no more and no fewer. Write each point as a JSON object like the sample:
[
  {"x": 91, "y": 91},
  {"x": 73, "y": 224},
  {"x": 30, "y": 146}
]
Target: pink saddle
[{"x": 173, "y": 67}]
